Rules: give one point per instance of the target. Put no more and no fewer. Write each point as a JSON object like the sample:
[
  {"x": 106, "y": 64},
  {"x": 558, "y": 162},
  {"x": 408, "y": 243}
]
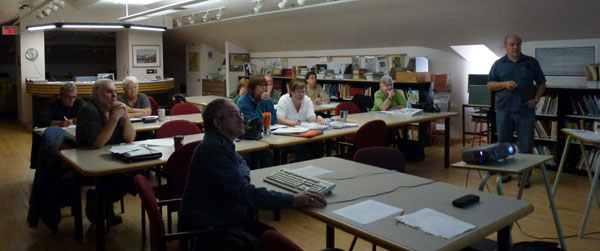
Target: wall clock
[{"x": 31, "y": 54}]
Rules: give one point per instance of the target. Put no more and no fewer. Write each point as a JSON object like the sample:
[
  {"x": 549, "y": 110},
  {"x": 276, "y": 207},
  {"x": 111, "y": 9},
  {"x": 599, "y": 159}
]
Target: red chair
[
  {"x": 372, "y": 133},
  {"x": 184, "y": 108},
  {"x": 274, "y": 241},
  {"x": 172, "y": 242},
  {"x": 177, "y": 127},
  {"x": 175, "y": 171},
  {"x": 351, "y": 107},
  {"x": 384, "y": 157},
  {"x": 153, "y": 106}
]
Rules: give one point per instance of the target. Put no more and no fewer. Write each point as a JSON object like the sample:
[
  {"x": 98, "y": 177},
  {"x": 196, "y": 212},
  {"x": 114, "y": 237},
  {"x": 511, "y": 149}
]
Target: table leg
[
  {"x": 588, "y": 168},
  {"x": 553, "y": 207},
  {"x": 588, "y": 204},
  {"x": 447, "y": 142},
  {"x": 276, "y": 156},
  {"x": 100, "y": 215},
  {"x": 76, "y": 207},
  {"x": 499, "y": 184},
  {"x": 484, "y": 180},
  {"x": 504, "y": 238},
  {"x": 329, "y": 237},
  {"x": 463, "y": 124},
  {"x": 563, "y": 159},
  {"x": 525, "y": 177}
]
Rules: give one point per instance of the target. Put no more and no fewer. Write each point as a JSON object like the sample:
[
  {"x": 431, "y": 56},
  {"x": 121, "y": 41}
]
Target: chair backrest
[
  {"x": 153, "y": 106},
  {"x": 178, "y": 98},
  {"x": 157, "y": 225},
  {"x": 351, "y": 107},
  {"x": 177, "y": 127},
  {"x": 372, "y": 133},
  {"x": 274, "y": 241},
  {"x": 384, "y": 157},
  {"x": 176, "y": 169},
  {"x": 184, "y": 108}
]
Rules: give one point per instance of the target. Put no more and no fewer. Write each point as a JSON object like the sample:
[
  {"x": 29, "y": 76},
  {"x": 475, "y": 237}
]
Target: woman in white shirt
[{"x": 294, "y": 108}]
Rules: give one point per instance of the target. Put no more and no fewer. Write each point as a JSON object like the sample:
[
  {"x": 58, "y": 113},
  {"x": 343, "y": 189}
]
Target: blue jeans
[{"x": 523, "y": 122}]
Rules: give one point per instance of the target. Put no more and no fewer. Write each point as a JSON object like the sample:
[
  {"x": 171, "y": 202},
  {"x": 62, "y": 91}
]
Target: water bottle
[{"x": 408, "y": 105}]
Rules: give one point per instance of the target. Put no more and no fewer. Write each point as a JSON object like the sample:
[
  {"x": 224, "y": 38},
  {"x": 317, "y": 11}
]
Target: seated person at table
[
  {"x": 314, "y": 91},
  {"x": 61, "y": 111},
  {"x": 242, "y": 88},
  {"x": 253, "y": 104},
  {"x": 138, "y": 104},
  {"x": 105, "y": 121},
  {"x": 273, "y": 93},
  {"x": 387, "y": 98},
  {"x": 218, "y": 191},
  {"x": 295, "y": 108}
]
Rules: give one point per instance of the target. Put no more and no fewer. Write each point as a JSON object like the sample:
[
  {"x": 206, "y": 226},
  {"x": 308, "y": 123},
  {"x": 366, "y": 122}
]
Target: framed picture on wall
[
  {"x": 237, "y": 60},
  {"x": 146, "y": 56},
  {"x": 194, "y": 61}
]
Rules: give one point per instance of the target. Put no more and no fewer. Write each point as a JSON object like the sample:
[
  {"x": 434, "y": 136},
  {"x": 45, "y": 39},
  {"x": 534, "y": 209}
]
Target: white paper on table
[
  {"x": 123, "y": 148},
  {"x": 277, "y": 126},
  {"x": 314, "y": 126},
  {"x": 367, "y": 211},
  {"x": 150, "y": 117},
  {"x": 157, "y": 142},
  {"x": 312, "y": 171},
  {"x": 435, "y": 223},
  {"x": 330, "y": 105}
]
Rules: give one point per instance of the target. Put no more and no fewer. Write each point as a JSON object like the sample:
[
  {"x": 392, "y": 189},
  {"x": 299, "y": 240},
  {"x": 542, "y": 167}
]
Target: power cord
[
  {"x": 359, "y": 176},
  {"x": 551, "y": 238},
  {"x": 382, "y": 193}
]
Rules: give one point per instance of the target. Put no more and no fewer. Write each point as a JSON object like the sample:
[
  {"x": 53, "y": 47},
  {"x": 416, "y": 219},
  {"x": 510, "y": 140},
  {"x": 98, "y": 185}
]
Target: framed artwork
[
  {"x": 237, "y": 60},
  {"x": 146, "y": 56},
  {"x": 194, "y": 61}
]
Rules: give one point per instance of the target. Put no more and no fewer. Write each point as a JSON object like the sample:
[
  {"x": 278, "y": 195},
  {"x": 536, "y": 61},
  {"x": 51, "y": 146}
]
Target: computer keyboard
[{"x": 292, "y": 181}]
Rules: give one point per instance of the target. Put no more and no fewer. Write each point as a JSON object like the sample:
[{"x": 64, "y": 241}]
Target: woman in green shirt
[{"x": 386, "y": 98}]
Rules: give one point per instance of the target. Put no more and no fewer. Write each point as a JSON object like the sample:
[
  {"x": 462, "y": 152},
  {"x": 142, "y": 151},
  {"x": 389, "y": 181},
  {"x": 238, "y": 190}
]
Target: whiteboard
[{"x": 565, "y": 61}]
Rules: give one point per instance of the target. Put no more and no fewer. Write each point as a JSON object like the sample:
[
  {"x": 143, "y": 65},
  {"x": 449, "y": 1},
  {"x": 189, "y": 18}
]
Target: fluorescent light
[
  {"x": 146, "y": 28},
  {"x": 174, "y": 6},
  {"x": 200, "y": 4},
  {"x": 93, "y": 26},
  {"x": 41, "y": 27},
  {"x": 131, "y": 2},
  {"x": 160, "y": 13}
]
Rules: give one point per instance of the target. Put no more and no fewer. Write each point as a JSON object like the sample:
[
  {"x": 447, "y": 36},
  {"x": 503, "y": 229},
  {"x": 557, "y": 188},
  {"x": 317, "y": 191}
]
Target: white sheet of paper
[
  {"x": 367, "y": 211},
  {"x": 330, "y": 105},
  {"x": 277, "y": 126},
  {"x": 311, "y": 171},
  {"x": 123, "y": 148},
  {"x": 314, "y": 126},
  {"x": 435, "y": 223},
  {"x": 157, "y": 142}
]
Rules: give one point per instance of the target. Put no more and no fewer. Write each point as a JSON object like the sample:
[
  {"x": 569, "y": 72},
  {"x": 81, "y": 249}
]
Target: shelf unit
[{"x": 564, "y": 118}]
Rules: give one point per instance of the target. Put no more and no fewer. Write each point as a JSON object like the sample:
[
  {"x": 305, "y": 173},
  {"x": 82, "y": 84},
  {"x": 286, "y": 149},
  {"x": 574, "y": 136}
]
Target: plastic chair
[
  {"x": 274, "y": 241},
  {"x": 384, "y": 157},
  {"x": 184, "y": 108},
  {"x": 175, "y": 171},
  {"x": 177, "y": 127},
  {"x": 153, "y": 106},
  {"x": 174, "y": 241}
]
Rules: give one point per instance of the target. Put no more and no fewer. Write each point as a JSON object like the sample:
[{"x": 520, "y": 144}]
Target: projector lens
[
  {"x": 511, "y": 149},
  {"x": 480, "y": 153}
]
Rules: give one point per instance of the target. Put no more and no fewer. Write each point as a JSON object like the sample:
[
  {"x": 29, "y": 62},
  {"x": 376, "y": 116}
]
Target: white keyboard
[{"x": 294, "y": 182}]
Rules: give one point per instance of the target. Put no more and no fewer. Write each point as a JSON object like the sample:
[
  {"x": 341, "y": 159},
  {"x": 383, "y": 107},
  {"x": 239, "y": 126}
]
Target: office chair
[
  {"x": 184, "y": 108},
  {"x": 177, "y": 127},
  {"x": 153, "y": 106}
]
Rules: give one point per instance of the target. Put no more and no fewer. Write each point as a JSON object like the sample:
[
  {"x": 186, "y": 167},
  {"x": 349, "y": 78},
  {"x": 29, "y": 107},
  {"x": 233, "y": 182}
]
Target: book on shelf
[{"x": 591, "y": 71}]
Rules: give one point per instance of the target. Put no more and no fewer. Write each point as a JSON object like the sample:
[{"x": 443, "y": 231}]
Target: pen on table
[
  {"x": 401, "y": 213},
  {"x": 65, "y": 117}
]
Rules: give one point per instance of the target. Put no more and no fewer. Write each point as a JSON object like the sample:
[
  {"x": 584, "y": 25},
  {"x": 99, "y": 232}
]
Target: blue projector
[{"x": 488, "y": 153}]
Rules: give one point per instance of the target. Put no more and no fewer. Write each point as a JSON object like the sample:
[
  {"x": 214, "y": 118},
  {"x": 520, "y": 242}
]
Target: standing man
[
  {"x": 512, "y": 77},
  {"x": 104, "y": 120},
  {"x": 218, "y": 192}
]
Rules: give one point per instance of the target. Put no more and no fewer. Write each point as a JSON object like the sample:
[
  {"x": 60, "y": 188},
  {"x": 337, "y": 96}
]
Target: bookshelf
[{"x": 562, "y": 108}]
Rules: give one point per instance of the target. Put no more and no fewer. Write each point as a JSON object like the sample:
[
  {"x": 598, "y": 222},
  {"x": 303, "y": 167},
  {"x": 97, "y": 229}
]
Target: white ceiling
[{"x": 370, "y": 23}]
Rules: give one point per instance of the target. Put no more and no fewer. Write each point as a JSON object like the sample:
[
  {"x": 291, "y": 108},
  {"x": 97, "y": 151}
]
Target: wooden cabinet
[{"x": 213, "y": 87}]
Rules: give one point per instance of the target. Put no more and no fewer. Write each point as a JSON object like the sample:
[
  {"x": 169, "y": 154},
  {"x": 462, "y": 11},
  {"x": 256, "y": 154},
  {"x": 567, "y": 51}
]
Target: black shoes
[{"x": 90, "y": 210}]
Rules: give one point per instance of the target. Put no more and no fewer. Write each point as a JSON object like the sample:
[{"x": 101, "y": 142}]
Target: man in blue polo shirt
[{"x": 512, "y": 77}]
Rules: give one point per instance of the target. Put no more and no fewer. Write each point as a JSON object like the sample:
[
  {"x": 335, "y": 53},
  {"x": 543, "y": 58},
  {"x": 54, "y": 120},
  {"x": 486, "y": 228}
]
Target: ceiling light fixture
[
  {"x": 219, "y": 15},
  {"x": 59, "y": 3},
  {"x": 179, "y": 22},
  {"x": 41, "y": 27},
  {"x": 178, "y": 6},
  {"x": 191, "y": 19},
  {"x": 205, "y": 17},
  {"x": 258, "y": 6},
  {"x": 94, "y": 26},
  {"x": 282, "y": 4},
  {"x": 301, "y": 2}
]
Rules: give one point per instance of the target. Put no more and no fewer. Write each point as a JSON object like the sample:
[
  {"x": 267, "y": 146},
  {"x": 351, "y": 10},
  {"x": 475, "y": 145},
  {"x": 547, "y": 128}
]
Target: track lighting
[
  {"x": 46, "y": 12},
  {"x": 258, "y": 6},
  {"x": 53, "y": 7},
  {"x": 281, "y": 5},
  {"x": 191, "y": 19},
  {"x": 179, "y": 22},
  {"x": 301, "y": 2},
  {"x": 219, "y": 15},
  {"x": 59, "y": 3},
  {"x": 205, "y": 17}
]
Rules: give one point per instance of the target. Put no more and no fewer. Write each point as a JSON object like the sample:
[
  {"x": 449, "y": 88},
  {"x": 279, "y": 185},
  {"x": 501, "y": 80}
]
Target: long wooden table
[
  {"x": 99, "y": 164},
  {"x": 395, "y": 120},
  {"x": 201, "y": 100},
  {"x": 492, "y": 214}
]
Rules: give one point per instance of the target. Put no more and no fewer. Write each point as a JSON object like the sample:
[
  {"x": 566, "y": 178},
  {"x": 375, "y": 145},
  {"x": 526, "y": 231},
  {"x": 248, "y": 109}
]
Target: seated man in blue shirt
[{"x": 218, "y": 192}]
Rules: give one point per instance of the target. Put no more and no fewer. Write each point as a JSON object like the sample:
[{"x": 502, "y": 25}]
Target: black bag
[
  {"x": 413, "y": 150},
  {"x": 252, "y": 129},
  {"x": 427, "y": 107},
  {"x": 363, "y": 102}
]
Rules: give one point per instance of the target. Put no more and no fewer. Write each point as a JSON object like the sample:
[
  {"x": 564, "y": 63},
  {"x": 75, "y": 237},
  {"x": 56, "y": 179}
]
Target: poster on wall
[
  {"x": 237, "y": 60},
  {"x": 194, "y": 61},
  {"x": 146, "y": 56}
]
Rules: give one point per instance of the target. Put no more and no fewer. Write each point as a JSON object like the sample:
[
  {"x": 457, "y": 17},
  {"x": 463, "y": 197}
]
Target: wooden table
[
  {"x": 201, "y": 100},
  {"x": 493, "y": 213},
  {"x": 195, "y": 118},
  {"x": 98, "y": 164},
  {"x": 394, "y": 120},
  {"x": 584, "y": 137},
  {"x": 518, "y": 164},
  {"x": 327, "y": 108}
]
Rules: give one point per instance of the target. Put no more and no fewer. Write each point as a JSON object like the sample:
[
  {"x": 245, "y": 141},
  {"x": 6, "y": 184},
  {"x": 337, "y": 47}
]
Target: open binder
[{"x": 137, "y": 154}]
